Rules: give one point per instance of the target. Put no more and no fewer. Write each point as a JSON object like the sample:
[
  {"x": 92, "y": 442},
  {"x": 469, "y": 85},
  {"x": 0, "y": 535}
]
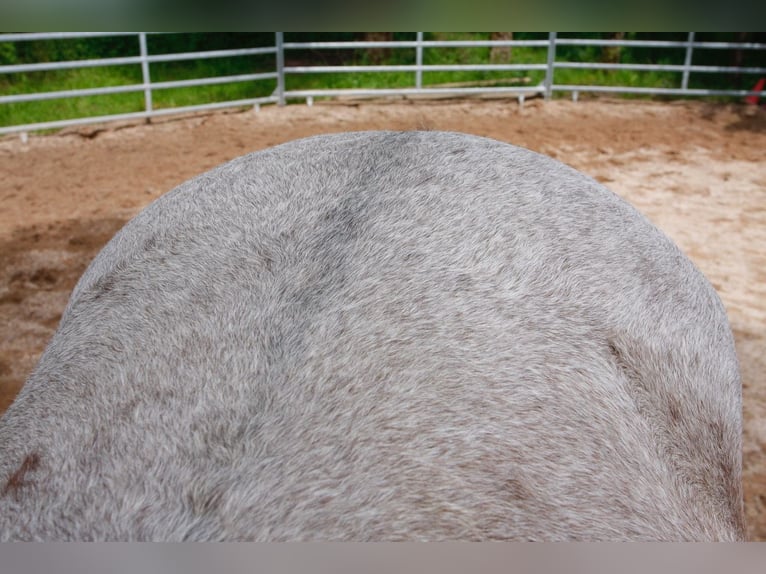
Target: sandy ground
[{"x": 697, "y": 170}]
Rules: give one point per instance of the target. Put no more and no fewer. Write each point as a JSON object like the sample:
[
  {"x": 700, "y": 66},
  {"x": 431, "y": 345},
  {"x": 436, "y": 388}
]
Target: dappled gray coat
[{"x": 382, "y": 336}]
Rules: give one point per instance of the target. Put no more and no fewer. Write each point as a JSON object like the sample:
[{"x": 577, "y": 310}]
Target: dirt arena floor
[{"x": 697, "y": 170}]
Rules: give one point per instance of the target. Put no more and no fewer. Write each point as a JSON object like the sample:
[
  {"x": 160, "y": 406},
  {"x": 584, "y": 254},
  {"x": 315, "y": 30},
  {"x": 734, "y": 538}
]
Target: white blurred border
[{"x": 400, "y": 558}]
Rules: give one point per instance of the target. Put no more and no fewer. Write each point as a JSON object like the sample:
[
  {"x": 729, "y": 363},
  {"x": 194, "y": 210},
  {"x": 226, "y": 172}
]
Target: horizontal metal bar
[
  {"x": 296, "y": 94},
  {"x": 413, "y": 68},
  {"x": 658, "y": 67},
  {"x": 33, "y": 97},
  {"x": 326, "y": 69},
  {"x": 349, "y": 45},
  {"x": 637, "y": 43},
  {"x": 665, "y": 91},
  {"x": 413, "y": 44},
  {"x": 16, "y": 98},
  {"x": 657, "y": 43},
  {"x": 606, "y": 66},
  {"x": 73, "y": 122},
  {"x": 481, "y": 67},
  {"x": 726, "y": 45},
  {"x": 59, "y": 35},
  {"x": 727, "y": 69},
  {"x": 215, "y": 105},
  {"x": 211, "y": 54},
  {"x": 69, "y": 64},
  {"x": 135, "y": 115},
  {"x": 483, "y": 43},
  {"x": 215, "y": 80}
]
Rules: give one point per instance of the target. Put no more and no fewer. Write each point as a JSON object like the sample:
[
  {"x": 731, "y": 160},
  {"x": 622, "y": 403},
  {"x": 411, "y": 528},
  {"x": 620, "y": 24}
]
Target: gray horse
[{"x": 382, "y": 336}]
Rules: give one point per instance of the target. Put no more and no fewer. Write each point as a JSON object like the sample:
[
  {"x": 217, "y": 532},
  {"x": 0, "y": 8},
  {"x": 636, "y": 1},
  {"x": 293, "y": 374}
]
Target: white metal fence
[{"x": 279, "y": 72}]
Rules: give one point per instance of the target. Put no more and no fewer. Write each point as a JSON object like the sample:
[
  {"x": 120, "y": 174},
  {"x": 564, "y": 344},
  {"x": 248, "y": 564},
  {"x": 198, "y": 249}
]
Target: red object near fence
[{"x": 757, "y": 88}]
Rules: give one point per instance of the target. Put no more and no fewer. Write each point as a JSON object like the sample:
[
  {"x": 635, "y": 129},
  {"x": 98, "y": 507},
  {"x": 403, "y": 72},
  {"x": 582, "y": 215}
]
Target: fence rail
[{"x": 279, "y": 72}]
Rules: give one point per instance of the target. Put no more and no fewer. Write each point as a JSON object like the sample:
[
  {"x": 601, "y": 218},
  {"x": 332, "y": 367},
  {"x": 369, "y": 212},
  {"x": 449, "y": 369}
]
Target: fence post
[
  {"x": 280, "y": 68},
  {"x": 419, "y": 61},
  {"x": 551, "y": 61},
  {"x": 145, "y": 74},
  {"x": 688, "y": 61}
]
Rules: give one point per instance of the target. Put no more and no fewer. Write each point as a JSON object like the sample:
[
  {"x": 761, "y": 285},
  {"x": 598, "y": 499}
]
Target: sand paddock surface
[{"x": 697, "y": 170}]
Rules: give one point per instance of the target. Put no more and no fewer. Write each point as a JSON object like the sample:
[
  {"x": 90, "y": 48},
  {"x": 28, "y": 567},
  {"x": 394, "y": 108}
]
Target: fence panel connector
[
  {"x": 419, "y": 61},
  {"x": 145, "y": 74},
  {"x": 280, "y": 41},
  {"x": 550, "y": 65},
  {"x": 688, "y": 61}
]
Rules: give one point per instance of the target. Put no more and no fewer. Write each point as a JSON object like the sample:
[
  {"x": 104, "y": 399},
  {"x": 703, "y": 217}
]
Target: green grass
[
  {"x": 618, "y": 78},
  {"x": 431, "y": 56},
  {"x": 49, "y": 110},
  {"x": 67, "y": 108}
]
